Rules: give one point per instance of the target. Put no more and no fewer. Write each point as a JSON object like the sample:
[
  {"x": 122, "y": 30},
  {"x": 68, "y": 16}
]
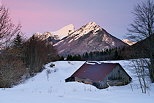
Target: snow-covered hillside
[{"x": 52, "y": 88}]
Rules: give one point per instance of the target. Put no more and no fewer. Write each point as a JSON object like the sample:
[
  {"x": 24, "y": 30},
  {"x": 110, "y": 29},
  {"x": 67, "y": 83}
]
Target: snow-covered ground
[{"x": 52, "y": 88}]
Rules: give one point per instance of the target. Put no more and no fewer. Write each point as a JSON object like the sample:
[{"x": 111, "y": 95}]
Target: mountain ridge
[
  {"x": 57, "y": 35},
  {"x": 89, "y": 38}
]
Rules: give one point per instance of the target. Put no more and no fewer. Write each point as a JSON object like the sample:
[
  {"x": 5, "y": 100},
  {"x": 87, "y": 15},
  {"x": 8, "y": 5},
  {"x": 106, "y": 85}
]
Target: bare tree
[
  {"x": 7, "y": 28},
  {"x": 143, "y": 24},
  {"x": 141, "y": 73},
  {"x": 37, "y": 53},
  {"x": 12, "y": 68},
  {"x": 142, "y": 28}
]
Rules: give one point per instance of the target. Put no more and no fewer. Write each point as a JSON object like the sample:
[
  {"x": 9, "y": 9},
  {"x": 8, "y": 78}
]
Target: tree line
[{"x": 108, "y": 54}]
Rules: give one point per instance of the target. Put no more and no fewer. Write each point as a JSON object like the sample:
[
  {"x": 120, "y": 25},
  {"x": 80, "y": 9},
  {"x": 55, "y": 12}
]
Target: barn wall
[
  {"x": 86, "y": 81},
  {"x": 118, "y": 73},
  {"x": 101, "y": 84},
  {"x": 117, "y": 77}
]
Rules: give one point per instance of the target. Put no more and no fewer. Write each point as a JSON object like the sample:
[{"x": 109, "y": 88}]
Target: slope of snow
[
  {"x": 58, "y": 35},
  {"x": 52, "y": 88},
  {"x": 86, "y": 29},
  {"x": 65, "y": 31}
]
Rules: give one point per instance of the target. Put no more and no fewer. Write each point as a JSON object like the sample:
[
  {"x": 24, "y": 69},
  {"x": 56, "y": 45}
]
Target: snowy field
[{"x": 52, "y": 88}]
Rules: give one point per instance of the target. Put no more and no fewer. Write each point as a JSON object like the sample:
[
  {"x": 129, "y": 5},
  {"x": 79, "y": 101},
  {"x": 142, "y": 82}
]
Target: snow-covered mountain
[
  {"x": 128, "y": 42},
  {"x": 57, "y": 35},
  {"x": 90, "y": 37},
  {"x": 65, "y": 31}
]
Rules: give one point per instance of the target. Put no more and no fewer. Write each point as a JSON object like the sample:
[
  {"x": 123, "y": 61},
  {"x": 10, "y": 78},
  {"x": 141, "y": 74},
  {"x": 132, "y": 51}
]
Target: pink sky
[{"x": 51, "y": 15}]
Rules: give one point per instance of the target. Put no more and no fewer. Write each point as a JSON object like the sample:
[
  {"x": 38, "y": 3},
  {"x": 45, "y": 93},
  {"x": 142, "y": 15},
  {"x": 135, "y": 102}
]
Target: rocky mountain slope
[{"x": 90, "y": 37}]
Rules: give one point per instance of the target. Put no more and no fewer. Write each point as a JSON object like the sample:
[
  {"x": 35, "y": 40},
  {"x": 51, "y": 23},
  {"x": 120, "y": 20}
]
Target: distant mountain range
[
  {"x": 139, "y": 49},
  {"x": 128, "y": 42},
  {"x": 89, "y": 38}
]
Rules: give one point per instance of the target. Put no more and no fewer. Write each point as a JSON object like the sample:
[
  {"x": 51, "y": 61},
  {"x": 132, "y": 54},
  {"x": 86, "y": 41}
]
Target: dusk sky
[{"x": 50, "y": 15}]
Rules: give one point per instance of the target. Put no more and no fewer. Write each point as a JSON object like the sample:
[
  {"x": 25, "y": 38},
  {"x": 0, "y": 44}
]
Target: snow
[
  {"x": 59, "y": 34},
  {"x": 65, "y": 31},
  {"x": 93, "y": 62},
  {"x": 128, "y": 42},
  {"x": 70, "y": 40},
  {"x": 58, "y": 43},
  {"x": 91, "y": 26},
  {"x": 48, "y": 88}
]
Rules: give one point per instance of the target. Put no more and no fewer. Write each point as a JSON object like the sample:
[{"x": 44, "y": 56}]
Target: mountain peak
[
  {"x": 68, "y": 27},
  {"x": 92, "y": 23},
  {"x": 89, "y": 38},
  {"x": 65, "y": 31},
  {"x": 91, "y": 26},
  {"x": 58, "y": 35}
]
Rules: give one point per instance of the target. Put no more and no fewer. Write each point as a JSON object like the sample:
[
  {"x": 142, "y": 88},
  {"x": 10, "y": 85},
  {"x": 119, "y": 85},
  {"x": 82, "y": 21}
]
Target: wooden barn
[{"x": 101, "y": 75}]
